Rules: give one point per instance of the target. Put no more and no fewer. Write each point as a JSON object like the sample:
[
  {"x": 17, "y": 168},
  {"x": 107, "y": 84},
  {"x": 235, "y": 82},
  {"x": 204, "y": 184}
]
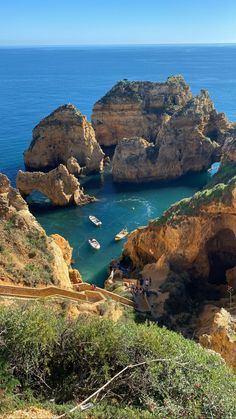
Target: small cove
[
  {"x": 117, "y": 206},
  {"x": 35, "y": 81}
]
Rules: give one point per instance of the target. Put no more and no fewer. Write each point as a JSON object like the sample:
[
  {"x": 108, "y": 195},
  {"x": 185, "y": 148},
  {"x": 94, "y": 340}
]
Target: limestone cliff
[
  {"x": 189, "y": 140},
  {"x": 63, "y": 134},
  {"x": 217, "y": 331},
  {"x": 137, "y": 109},
  {"x": 190, "y": 252},
  {"x": 61, "y": 187},
  {"x": 27, "y": 255}
]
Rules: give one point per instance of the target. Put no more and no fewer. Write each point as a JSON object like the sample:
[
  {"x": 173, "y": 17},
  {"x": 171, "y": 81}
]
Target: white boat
[
  {"x": 95, "y": 220},
  {"x": 94, "y": 244},
  {"x": 122, "y": 234}
]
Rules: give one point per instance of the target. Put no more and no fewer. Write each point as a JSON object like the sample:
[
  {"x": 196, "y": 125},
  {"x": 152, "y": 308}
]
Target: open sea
[{"x": 34, "y": 81}]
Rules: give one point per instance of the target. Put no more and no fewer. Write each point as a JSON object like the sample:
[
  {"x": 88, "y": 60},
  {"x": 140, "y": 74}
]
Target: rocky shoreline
[
  {"x": 161, "y": 132},
  {"x": 189, "y": 258}
]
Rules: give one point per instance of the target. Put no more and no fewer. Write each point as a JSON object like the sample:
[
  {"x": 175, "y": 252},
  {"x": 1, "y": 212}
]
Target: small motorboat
[
  {"x": 122, "y": 234},
  {"x": 95, "y": 220},
  {"x": 94, "y": 244}
]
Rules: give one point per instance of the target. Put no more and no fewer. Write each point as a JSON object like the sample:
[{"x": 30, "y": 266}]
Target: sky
[{"x": 76, "y": 22}]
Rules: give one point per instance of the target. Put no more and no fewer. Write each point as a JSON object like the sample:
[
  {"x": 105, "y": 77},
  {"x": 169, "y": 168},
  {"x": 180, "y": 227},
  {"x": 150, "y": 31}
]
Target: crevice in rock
[{"x": 221, "y": 251}]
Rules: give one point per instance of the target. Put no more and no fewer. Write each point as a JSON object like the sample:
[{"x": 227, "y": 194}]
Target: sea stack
[
  {"x": 63, "y": 134},
  {"x": 136, "y": 108},
  {"x": 189, "y": 140}
]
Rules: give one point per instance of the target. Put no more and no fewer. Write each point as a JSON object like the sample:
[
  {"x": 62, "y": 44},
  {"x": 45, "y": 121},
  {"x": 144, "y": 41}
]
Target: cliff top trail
[{"x": 85, "y": 293}]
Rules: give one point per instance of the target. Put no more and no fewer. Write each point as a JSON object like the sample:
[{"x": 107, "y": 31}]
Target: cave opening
[{"x": 221, "y": 252}]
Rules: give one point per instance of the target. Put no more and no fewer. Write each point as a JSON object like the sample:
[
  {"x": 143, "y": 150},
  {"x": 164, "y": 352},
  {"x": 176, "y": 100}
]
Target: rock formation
[
  {"x": 137, "y": 108},
  {"x": 74, "y": 274},
  {"x": 229, "y": 149},
  {"x": 217, "y": 331},
  {"x": 64, "y": 246},
  {"x": 63, "y": 134},
  {"x": 188, "y": 141},
  {"x": 190, "y": 252},
  {"x": 58, "y": 185},
  {"x": 73, "y": 167},
  {"x": 27, "y": 256}
]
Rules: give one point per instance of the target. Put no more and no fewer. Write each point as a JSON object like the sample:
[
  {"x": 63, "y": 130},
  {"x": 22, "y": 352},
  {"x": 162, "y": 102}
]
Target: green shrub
[
  {"x": 37, "y": 241},
  {"x": 10, "y": 224},
  {"x": 34, "y": 274},
  {"x": 68, "y": 360}
]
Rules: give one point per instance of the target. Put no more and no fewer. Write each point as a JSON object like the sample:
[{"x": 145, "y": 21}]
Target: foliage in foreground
[{"x": 44, "y": 356}]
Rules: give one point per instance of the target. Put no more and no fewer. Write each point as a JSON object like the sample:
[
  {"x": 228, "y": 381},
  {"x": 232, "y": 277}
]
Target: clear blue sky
[{"x": 61, "y": 22}]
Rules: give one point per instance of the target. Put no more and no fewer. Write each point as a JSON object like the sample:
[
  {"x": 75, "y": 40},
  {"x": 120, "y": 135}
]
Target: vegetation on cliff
[
  {"x": 46, "y": 356},
  {"x": 218, "y": 190},
  {"x": 27, "y": 255},
  {"x": 129, "y": 90}
]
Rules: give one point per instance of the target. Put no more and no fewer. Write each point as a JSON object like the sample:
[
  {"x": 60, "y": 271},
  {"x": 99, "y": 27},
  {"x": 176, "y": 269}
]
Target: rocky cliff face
[
  {"x": 217, "y": 332},
  {"x": 137, "y": 109},
  {"x": 188, "y": 140},
  {"x": 63, "y": 134},
  {"x": 58, "y": 185},
  {"x": 190, "y": 252},
  {"x": 27, "y": 255}
]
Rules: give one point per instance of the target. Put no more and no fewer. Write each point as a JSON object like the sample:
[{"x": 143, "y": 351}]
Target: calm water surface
[{"x": 34, "y": 81}]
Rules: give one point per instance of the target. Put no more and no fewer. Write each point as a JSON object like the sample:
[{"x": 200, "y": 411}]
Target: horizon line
[{"x": 115, "y": 45}]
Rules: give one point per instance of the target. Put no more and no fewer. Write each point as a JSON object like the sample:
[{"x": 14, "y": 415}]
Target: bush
[{"x": 67, "y": 360}]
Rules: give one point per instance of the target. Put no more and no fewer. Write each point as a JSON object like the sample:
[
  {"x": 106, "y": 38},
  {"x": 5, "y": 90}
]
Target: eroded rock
[
  {"x": 63, "y": 134},
  {"x": 58, "y": 185},
  {"x": 137, "y": 108},
  {"x": 27, "y": 255},
  {"x": 189, "y": 140},
  {"x": 73, "y": 167},
  {"x": 189, "y": 254},
  {"x": 64, "y": 246},
  {"x": 217, "y": 332}
]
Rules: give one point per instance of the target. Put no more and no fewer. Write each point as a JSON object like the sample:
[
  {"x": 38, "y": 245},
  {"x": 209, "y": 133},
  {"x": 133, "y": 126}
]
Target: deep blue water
[{"x": 34, "y": 81}]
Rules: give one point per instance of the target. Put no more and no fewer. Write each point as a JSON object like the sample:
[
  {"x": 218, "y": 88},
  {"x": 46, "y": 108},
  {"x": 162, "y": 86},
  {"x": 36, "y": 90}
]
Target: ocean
[{"x": 34, "y": 81}]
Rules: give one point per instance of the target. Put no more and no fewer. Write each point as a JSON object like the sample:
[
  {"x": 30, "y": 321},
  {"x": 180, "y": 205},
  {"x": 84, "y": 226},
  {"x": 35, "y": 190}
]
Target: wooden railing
[{"x": 51, "y": 291}]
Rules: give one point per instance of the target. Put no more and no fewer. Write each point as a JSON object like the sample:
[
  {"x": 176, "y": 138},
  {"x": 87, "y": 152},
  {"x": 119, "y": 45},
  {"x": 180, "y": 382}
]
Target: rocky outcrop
[
  {"x": 217, "y": 332},
  {"x": 27, "y": 256},
  {"x": 67, "y": 251},
  {"x": 137, "y": 109},
  {"x": 75, "y": 276},
  {"x": 63, "y": 134},
  {"x": 58, "y": 185},
  {"x": 188, "y": 141},
  {"x": 64, "y": 246},
  {"x": 190, "y": 252},
  {"x": 229, "y": 149},
  {"x": 73, "y": 167}
]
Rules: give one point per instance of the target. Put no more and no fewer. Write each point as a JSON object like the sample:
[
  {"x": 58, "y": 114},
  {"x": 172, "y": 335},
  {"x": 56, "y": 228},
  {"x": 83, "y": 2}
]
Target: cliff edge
[{"x": 27, "y": 255}]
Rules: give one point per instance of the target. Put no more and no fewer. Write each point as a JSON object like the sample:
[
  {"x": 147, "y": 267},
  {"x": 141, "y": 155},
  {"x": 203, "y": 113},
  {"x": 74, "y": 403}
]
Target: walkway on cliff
[{"x": 85, "y": 293}]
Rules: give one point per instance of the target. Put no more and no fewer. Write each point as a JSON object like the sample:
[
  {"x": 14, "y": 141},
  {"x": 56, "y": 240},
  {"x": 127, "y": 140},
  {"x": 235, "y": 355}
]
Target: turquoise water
[
  {"x": 34, "y": 81},
  {"x": 118, "y": 206}
]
